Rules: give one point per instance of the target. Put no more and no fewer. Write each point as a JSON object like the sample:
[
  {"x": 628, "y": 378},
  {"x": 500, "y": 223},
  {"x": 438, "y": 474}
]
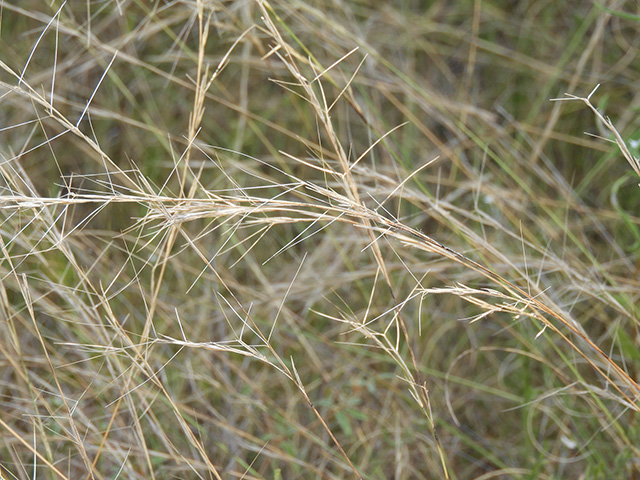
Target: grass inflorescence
[{"x": 325, "y": 239}]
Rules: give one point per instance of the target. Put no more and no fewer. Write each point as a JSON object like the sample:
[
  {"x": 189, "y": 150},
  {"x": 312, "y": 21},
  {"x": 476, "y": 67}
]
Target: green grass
[{"x": 277, "y": 240}]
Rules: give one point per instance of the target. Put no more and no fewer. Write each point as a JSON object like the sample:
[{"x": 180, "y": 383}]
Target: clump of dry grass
[{"x": 303, "y": 239}]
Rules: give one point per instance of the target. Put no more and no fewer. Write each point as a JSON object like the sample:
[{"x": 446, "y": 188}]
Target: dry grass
[{"x": 320, "y": 239}]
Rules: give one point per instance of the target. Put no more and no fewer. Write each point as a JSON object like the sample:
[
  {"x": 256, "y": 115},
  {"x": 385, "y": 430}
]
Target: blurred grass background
[{"x": 194, "y": 285}]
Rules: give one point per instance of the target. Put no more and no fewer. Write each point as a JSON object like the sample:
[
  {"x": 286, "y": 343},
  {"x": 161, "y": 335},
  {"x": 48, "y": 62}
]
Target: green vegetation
[{"x": 323, "y": 239}]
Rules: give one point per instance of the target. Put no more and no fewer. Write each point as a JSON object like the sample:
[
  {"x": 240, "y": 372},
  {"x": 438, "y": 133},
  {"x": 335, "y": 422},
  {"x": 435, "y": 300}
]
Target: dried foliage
[{"x": 325, "y": 239}]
